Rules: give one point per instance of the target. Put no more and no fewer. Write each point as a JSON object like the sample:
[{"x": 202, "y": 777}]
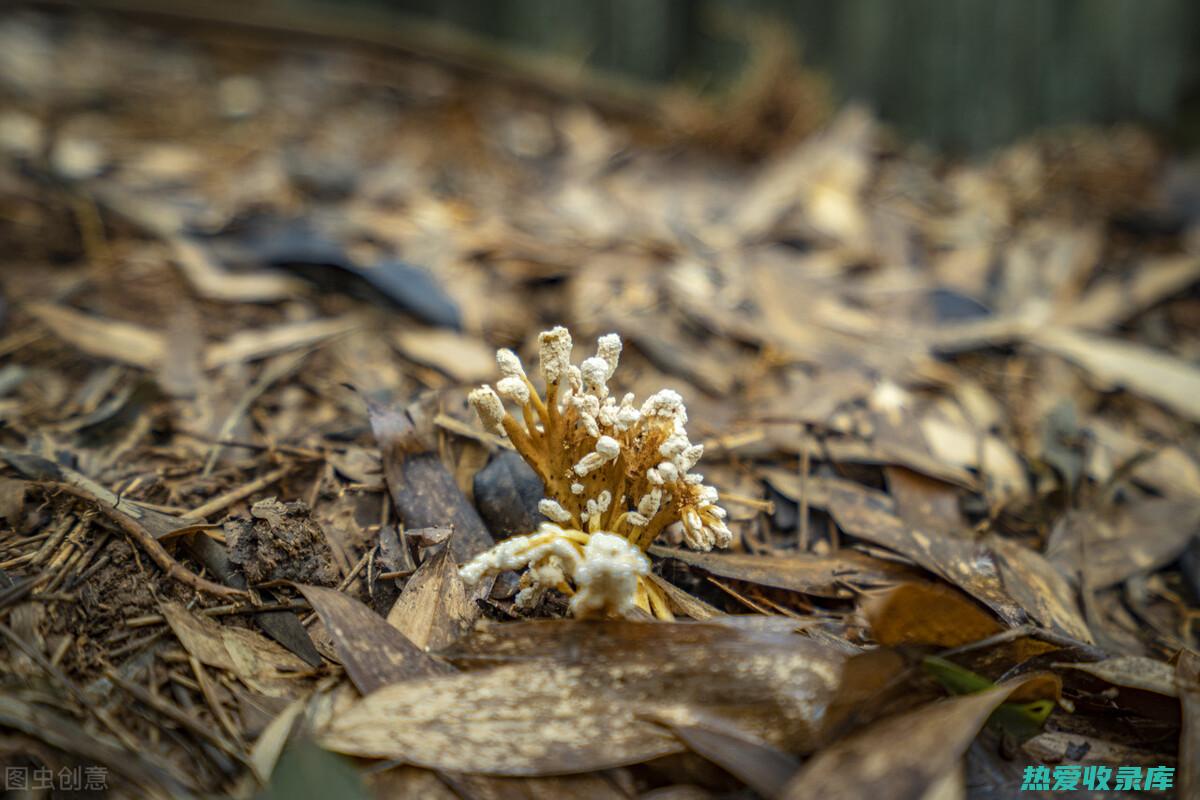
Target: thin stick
[
  {"x": 206, "y": 689},
  {"x": 241, "y": 493},
  {"x": 148, "y": 543},
  {"x": 146, "y": 697},
  {"x": 1033, "y": 632}
]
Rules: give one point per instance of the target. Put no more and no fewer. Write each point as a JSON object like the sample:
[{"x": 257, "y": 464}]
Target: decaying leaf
[
  {"x": 504, "y": 721},
  {"x": 263, "y": 665},
  {"x": 826, "y": 576},
  {"x": 595, "y": 684},
  {"x": 1040, "y": 588},
  {"x": 869, "y": 515}
]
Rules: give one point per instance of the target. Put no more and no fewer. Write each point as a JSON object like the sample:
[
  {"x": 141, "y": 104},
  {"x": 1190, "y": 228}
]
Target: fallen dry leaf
[
  {"x": 464, "y": 358},
  {"x": 929, "y": 614},
  {"x": 1116, "y": 364},
  {"x": 433, "y": 609},
  {"x": 252, "y": 345},
  {"x": 505, "y": 721},
  {"x": 374, "y": 653},
  {"x": 260, "y": 663},
  {"x": 595, "y": 684},
  {"x": 823, "y": 575},
  {"x": 1134, "y": 672},
  {"x": 1110, "y": 547},
  {"x": 869, "y": 765},
  {"x": 113, "y": 339},
  {"x": 422, "y": 489},
  {"x": 1013, "y": 581}
]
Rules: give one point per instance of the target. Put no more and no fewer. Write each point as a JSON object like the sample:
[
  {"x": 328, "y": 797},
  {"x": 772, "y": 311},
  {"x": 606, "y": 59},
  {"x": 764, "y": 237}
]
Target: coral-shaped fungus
[{"x": 616, "y": 476}]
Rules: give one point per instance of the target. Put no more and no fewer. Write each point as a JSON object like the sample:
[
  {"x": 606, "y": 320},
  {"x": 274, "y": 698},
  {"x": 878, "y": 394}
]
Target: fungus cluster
[{"x": 615, "y": 474}]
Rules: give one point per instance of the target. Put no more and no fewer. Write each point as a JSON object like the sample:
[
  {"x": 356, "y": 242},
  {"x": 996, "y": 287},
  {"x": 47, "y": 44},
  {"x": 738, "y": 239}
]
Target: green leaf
[
  {"x": 1019, "y": 721},
  {"x": 306, "y": 772}
]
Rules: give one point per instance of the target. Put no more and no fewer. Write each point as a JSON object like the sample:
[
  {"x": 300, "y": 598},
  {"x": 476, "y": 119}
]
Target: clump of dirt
[{"x": 280, "y": 541}]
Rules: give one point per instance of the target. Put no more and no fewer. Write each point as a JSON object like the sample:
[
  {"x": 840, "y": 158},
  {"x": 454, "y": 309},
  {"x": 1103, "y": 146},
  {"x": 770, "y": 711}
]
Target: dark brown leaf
[
  {"x": 821, "y": 575},
  {"x": 1187, "y": 677},
  {"x": 1112, "y": 547},
  {"x": 1015, "y": 582},
  {"x": 374, "y": 653},
  {"x": 870, "y": 764},
  {"x": 422, "y": 488}
]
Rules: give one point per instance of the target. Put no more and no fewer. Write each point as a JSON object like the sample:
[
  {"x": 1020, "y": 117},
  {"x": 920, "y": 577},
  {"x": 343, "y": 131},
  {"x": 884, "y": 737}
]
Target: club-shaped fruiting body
[{"x": 616, "y": 475}]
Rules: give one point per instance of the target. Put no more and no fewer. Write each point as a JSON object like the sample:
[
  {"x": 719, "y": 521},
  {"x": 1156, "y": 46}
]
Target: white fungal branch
[
  {"x": 555, "y": 354},
  {"x": 604, "y": 568},
  {"x": 553, "y": 511},
  {"x": 607, "y": 578},
  {"x": 617, "y": 475},
  {"x": 489, "y": 408},
  {"x": 514, "y": 389}
]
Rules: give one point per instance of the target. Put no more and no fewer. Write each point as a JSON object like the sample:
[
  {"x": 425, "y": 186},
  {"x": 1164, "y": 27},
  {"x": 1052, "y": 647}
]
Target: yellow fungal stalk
[{"x": 616, "y": 475}]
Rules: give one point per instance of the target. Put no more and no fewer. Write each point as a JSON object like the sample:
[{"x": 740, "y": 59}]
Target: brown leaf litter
[{"x": 949, "y": 408}]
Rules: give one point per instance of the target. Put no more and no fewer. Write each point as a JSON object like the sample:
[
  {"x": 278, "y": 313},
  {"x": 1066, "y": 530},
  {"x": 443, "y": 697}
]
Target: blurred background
[{"x": 962, "y": 75}]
